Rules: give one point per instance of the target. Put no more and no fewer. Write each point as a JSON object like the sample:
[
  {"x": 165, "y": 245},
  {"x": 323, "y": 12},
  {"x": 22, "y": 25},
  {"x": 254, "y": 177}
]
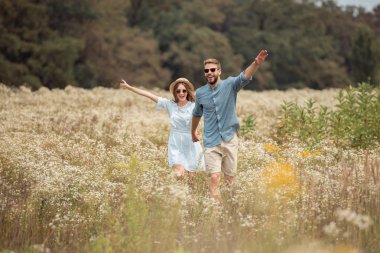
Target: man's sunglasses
[
  {"x": 207, "y": 70},
  {"x": 179, "y": 91}
]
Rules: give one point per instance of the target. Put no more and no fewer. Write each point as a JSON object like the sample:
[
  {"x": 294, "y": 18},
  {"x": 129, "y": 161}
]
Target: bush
[{"x": 354, "y": 122}]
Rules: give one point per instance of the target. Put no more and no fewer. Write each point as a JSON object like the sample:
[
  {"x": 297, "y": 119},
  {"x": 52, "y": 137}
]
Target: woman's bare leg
[{"x": 179, "y": 171}]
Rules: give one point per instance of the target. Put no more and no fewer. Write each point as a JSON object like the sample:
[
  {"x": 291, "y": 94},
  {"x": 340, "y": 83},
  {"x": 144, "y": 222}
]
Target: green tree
[
  {"x": 195, "y": 44},
  {"x": 148, "y": 42},
  {"x": 301, "y": 50},
  {"x": 31, "y": 51},
  {"x": 116, "y": 51},
  {"x": 208, "y": 13},
  {"x": 54, "y": 60},
  {"x": 365, "y": 57},
  {"x": 22, "y": 26},
  {"x": 68, "y": 18}
]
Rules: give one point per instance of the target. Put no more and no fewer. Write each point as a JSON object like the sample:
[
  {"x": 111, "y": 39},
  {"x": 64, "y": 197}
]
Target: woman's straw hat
[{"x": 180, "y": 80}]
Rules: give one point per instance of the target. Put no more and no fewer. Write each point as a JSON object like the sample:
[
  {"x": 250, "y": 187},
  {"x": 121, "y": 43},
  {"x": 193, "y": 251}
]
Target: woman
[{"x": 183, "y": 153}]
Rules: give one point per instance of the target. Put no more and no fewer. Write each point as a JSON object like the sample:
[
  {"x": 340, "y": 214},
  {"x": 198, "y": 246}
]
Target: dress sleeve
[{"x": 163, "y": 103}]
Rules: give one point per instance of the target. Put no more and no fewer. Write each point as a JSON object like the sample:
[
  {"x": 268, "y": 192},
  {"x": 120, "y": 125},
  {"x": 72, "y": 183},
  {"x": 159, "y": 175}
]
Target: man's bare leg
[
  {"x": 229, "y": 179},
  {"x": 214, "y": 185}
]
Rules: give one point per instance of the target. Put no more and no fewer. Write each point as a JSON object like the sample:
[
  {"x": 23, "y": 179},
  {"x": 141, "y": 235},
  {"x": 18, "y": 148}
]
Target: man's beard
[{"x": 215, "y": 79}]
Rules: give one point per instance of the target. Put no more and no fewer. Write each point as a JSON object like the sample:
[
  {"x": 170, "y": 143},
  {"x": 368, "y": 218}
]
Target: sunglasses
[
  {"x": 179, "y": 91},
  {"x": 207, "y": 70}
]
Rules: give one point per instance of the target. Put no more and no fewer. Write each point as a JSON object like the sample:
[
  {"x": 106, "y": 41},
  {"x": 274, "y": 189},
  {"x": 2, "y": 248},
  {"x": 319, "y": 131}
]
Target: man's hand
[
  {"x": 195, "y": 137},
  {"x": 252, "y": 68},
  {"x": 124, "y": 85},
  {"x": 194, "y": 128},
  {"x": 261, "y": 57}
]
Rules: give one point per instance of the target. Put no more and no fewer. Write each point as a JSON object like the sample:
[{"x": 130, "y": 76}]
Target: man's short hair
[{"x": 213, "y": 61}]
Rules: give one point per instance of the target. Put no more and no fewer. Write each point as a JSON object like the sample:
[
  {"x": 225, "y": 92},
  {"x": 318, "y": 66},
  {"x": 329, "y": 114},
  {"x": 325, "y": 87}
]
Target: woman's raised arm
[{"x": 124, "y": 85}]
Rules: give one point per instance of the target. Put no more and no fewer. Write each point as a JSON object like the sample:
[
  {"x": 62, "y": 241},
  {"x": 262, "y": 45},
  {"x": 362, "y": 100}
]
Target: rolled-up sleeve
[
  {"x": 240, "y": 81},
  {"x": 198, "y": 110}
]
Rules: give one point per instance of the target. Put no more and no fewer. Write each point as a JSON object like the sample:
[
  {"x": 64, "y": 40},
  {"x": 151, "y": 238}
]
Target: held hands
[
  {"x": 261, "y": 57},
  {"x": 124, "y": 85}
]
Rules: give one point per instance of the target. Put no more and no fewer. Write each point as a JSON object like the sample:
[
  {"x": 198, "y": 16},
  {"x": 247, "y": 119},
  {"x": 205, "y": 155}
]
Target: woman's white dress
[{"x": 181, "y": 149}]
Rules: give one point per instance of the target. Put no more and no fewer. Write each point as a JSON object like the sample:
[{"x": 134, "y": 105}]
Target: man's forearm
[
  {"x": 194, "y": 124},
  {"x": 251, "y": 70}
]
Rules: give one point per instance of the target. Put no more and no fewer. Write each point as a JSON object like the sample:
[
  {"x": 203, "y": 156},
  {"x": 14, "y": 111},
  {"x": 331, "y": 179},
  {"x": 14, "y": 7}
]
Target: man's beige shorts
[{"x": 223, "y": 158}]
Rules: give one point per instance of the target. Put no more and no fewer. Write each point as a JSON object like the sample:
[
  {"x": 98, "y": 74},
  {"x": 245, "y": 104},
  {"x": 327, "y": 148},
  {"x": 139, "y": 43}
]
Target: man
[{"x": 216, "y": 101}]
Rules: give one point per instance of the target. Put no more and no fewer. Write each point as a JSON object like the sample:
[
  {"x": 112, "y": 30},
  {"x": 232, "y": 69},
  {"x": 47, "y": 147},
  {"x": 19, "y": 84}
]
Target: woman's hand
[{"x": 124, "y": 85}]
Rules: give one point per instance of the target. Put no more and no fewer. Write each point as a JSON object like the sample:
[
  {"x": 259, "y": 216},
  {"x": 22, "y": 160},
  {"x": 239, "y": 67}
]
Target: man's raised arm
[{"x": 251, "y": 69}]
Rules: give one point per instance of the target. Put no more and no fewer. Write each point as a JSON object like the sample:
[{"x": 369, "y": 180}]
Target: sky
[{"x": 367, "y": 4}]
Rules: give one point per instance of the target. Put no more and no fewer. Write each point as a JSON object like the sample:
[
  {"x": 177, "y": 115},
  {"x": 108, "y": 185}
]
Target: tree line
[{"x": 91, "y": 43}]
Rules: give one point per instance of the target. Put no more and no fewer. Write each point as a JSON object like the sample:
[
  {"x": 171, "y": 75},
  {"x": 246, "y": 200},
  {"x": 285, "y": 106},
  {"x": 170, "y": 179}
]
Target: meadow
[{"x": 86, "y": 171}]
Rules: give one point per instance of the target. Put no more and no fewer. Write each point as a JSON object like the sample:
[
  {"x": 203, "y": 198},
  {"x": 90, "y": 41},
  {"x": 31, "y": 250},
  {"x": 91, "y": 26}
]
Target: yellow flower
[
  {"x": 280, "y": 179},
  {"x": 342, "y": 249},
  {"x": 306, "y": 153},
  {"x": 271, "y": 148}
]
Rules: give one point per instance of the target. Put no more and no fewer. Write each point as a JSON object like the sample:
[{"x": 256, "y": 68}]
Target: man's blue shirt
[{"x": 218, "y": 106}]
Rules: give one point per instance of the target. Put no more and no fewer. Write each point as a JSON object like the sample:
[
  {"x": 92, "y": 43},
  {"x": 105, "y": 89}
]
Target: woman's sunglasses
[
  {"x": 207, "y": 70},
  {"x": 179, "y": 91}
]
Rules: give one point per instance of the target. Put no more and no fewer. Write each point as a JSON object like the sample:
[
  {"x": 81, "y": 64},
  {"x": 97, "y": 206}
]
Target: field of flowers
[{"x": 86, "y": 171}]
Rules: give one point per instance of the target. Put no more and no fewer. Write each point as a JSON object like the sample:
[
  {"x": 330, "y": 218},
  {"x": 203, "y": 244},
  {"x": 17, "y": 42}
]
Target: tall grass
[{"x": 86, "y": 171}]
